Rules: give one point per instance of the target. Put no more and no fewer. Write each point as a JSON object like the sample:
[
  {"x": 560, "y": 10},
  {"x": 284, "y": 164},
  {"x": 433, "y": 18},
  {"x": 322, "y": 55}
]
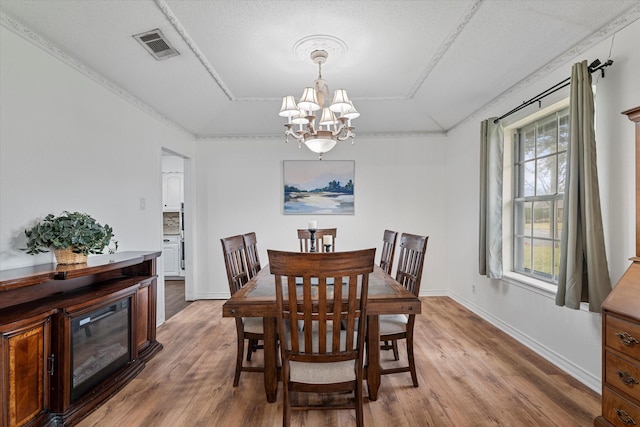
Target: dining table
[{"x": 258, "y": 299}]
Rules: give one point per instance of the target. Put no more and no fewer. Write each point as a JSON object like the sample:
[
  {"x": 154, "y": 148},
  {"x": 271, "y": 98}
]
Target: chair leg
[
  {"x": 286, "y": 406},
  {"x": 394, "y": 347},
  {"x": 251, "y": 349},
  {"x": 359, "y": 412},
  {"x": 412, "y": 364},
  {"x": 239, "y": 354}
]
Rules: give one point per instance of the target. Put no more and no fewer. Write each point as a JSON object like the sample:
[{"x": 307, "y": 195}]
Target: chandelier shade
[
  {"x": 340, "y": 102},
  {"x": 289, "y": 107},
  {"x": 334, "y": 125}
]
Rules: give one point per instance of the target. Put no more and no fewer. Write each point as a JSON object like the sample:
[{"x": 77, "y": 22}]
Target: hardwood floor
[
  {"x": 470, "y": 374},
  {"x": 174, "y": 298}
]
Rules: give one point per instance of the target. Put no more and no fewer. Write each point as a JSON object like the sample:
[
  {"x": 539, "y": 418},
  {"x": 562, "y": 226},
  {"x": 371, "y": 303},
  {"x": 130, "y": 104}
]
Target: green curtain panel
[
  {"x": 491, "y": 152},
  {"x": 584, "y": 274}
]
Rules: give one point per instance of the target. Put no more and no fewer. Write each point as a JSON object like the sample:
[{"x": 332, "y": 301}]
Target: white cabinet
[
  {"x": 171, "y": 255},
  {"x": 172, "y": 190}
]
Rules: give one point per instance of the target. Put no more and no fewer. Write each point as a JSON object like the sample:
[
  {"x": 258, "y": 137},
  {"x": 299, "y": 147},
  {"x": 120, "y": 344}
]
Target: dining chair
[
  {"x": 394, "y": 327},
  {"x": 253, "y": 260},
  {"x": 388, "y": 249},
  {"x": 247, "y": 328},
  {"x": 325, "y": 353},
  {"x": 304, "y": 236}
]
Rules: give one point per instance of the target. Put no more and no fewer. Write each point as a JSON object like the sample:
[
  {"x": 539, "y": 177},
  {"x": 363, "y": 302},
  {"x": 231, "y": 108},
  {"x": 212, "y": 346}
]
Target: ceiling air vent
[{"x": 156, "y": 44}]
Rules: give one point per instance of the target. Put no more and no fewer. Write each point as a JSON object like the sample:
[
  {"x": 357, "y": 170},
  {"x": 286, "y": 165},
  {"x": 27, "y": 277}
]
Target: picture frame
[{"x": 318, "y": 187}]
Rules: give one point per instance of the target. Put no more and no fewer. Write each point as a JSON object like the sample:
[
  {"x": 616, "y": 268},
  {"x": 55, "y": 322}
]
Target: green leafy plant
[{"x": 70, "y": 229}]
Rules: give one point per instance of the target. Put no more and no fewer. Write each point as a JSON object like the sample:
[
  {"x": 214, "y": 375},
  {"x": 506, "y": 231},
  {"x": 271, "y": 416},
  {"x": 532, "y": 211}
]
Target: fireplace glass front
[{"x": 100, "y": 345}]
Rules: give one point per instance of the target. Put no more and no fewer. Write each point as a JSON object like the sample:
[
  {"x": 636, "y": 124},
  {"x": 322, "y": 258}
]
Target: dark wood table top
[{"x": 257, "y": 298}]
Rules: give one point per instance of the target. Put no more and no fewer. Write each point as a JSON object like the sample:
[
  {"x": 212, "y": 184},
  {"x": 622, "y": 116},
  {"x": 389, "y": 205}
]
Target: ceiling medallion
[{"x": 321, "y": 135}]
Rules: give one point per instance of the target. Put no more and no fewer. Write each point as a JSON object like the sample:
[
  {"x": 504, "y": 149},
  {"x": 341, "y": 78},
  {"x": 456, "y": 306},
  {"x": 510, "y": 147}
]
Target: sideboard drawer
[
  {"x": 618, "y": 410},
  {"x": 623, "y": 336},
  {"x": 623, "y": 374}
]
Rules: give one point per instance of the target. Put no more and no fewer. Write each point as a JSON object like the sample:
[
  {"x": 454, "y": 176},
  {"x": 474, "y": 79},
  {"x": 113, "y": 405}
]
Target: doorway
[{"x": 174, "y": 233}]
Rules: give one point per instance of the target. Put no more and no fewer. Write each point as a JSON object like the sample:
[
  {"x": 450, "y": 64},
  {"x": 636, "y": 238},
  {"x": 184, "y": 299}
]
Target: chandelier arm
[{"x": 298, "y": 136}]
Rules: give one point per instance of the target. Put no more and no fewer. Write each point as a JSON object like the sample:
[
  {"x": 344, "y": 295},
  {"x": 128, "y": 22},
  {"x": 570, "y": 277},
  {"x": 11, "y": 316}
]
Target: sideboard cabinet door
[{"x": 24, "y": 376}]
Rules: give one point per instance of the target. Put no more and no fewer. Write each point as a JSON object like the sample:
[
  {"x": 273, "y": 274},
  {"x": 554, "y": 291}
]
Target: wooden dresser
[{"x": 621, "y": 332}]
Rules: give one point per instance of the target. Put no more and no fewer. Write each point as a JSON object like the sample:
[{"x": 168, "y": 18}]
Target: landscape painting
[{"x": 319, "y": 187}]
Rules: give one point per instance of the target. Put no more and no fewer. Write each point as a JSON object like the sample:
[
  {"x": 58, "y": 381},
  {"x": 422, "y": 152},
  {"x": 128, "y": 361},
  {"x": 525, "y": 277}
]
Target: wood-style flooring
[
  {"x": 174, "y": 301},
  {"x": 470, "y": 374}
]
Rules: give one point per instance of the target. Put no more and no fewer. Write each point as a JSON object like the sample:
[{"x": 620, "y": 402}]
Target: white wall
[
  {"x": 68, "y": 143},
  {"x": 570, "y": 338},
  {"x": 399, "y": 184}
]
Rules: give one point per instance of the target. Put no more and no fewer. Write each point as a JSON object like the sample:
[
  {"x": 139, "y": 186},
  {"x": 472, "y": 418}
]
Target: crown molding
[
  {"x": 37, "y": 40},
  {"x": 171, "y": 17},
  {"x": 444, "y": 47}
]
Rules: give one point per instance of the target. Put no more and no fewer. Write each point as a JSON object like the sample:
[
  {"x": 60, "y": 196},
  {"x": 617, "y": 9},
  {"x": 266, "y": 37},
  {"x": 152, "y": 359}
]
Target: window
[{"x": 540, "y": 160}]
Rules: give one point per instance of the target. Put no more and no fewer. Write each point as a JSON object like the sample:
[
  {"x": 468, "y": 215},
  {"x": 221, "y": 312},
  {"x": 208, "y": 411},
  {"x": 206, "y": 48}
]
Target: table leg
[
  {"x": 270, "y": 359},
  {"x": 373, "y": 356}
]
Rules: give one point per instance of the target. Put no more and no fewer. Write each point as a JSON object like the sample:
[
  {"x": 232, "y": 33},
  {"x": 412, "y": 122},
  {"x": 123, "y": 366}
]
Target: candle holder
[
  {"x": 312, "y": 231},
  {"x": 327, "y": 248}
]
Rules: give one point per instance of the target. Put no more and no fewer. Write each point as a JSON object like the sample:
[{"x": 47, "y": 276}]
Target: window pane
[
  {"x": 529, "y": 179},
  {"x": 526, "y": 252},
  {"x": 542, "y": 219},
  {"x": 542, "y": 259},
  {"x": 518, "y": 219},
  {"x": 559, "y": 213},
  {"x": 528, "y": 136},
  {"x": 556, "y": 261},
  {"x": 563, "y": 131},
  {"x": 547, "y": 136},
  {"x": 528, "y": 229},
  {"x": 546, "y": 176},
  {"x": 562, "y": 171}
]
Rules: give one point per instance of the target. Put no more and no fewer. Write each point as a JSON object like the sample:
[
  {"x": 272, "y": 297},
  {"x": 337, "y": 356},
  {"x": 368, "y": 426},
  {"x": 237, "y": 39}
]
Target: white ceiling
[{"x": 413, "y": 67}]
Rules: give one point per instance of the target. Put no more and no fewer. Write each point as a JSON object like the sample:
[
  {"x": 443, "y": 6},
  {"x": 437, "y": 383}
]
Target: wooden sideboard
[
  {"x": 40, "y": 310},
  {"x": 621, "y": 332}
]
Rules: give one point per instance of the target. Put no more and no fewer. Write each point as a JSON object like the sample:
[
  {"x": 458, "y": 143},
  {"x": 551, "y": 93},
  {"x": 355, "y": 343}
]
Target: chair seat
[
  {"x": 253, "y": 325},
  {"x": 393, "y": 324},
  {"x": 322, "y": 373}
]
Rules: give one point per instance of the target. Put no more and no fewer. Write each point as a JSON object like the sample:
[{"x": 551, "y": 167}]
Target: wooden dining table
[{"x": 257, "y": 299}]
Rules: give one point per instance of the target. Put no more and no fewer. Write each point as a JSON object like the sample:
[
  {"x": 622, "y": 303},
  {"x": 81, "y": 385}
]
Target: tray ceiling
[{"x": 411, "y": 67}]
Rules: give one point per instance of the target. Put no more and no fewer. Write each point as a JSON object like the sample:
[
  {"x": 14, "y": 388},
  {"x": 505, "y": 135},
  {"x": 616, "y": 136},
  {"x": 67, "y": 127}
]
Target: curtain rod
[{"x": 595, "y": 66}]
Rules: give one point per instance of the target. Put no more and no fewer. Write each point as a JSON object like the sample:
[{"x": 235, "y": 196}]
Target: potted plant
[{"x": 71, "y": 235}]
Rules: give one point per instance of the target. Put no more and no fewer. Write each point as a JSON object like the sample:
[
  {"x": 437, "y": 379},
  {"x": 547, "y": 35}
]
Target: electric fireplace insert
[{"x": 100, "y": 345}]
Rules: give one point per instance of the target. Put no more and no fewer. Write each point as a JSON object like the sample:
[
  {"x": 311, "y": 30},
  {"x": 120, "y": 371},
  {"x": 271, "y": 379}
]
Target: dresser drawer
[
  {"x": 618, "y": 410},
  {"x": 623, "y": 336},
  {"x": 623, "y": 374}
]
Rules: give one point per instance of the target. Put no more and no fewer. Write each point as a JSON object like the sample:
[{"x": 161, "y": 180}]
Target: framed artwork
[{"x": 318, "y": 187}]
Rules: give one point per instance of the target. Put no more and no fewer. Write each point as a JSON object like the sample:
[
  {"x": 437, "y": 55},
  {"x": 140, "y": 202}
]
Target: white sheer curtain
[
  {"x": 584, "y": 275},
  {"x": 491, "y": 152}
]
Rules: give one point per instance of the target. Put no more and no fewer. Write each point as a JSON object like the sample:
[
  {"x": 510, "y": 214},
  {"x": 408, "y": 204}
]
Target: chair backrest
[
  {"x": 235, "y": 262},
  {"x": 305, "y": 239},
  {"x": 413, "y": 249},
  {"x": 388, "y": 250},
  {"x": 328, "y": 315},
  {"x": 253, "y": 260}
]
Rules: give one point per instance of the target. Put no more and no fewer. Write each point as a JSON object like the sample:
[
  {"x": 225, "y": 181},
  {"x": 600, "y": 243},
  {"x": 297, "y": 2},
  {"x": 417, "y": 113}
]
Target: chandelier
[{"x": 319, "y": 135}]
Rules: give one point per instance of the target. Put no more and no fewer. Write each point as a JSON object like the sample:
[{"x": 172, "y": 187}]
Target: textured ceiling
[{"x": 413, "y": 67}]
